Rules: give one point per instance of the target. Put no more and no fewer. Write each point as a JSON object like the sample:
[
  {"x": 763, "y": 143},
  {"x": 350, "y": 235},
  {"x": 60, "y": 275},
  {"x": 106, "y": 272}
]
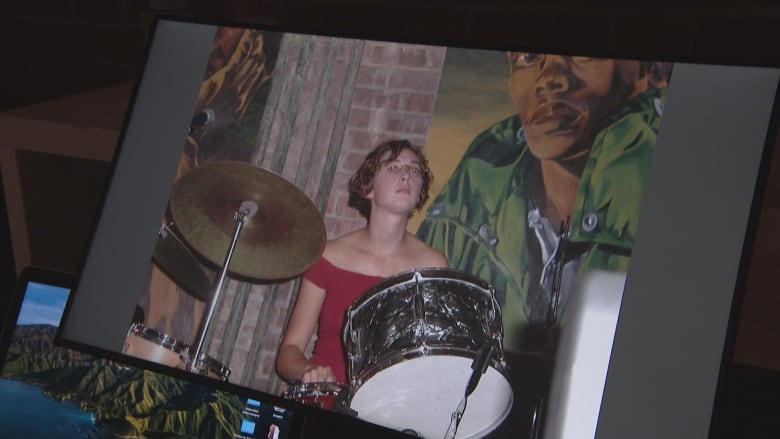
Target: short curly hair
[{"x": 362, "y": 181}]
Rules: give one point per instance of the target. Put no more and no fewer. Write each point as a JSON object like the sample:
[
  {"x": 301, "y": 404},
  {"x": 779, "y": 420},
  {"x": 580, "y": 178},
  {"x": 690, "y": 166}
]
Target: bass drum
[{"x": 411, "y": 342}]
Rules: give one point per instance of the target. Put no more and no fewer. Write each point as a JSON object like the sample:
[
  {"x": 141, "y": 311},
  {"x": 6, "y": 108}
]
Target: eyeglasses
[
  {"x": 397, "y": 169},
  {"x": 524, "y": 60}
]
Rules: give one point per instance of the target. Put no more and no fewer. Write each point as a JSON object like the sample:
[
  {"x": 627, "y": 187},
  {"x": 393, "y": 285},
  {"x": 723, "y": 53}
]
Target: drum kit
[{"x": 424, "y": 348}]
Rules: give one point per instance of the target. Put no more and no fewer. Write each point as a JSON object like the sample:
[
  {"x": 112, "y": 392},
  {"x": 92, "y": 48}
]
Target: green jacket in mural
[{"x": 484, "y": 219}]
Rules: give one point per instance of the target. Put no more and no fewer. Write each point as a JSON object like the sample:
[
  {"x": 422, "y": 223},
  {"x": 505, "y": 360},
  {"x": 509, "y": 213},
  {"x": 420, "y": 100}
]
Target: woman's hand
[
  {"x": 315, "y": 373},
  {"x": 291, "y": 363}
]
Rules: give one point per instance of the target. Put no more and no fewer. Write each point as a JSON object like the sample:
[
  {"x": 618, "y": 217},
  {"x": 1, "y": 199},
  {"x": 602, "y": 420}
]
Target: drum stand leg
[{"x": 246, "y": 211}]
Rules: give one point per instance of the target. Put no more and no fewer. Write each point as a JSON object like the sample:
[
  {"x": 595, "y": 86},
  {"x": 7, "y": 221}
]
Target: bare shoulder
[
  {"x": 340, "y": 250},
  {"x": 427, "y": 256}
]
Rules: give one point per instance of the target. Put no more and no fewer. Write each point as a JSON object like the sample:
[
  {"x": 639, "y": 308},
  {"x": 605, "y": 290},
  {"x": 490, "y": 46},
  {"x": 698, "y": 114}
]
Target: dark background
[{"x": 53, "y": 49}]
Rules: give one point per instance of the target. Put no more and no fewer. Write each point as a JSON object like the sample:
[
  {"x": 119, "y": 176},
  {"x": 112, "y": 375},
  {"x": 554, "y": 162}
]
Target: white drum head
[{"x": 421, "y": 393}]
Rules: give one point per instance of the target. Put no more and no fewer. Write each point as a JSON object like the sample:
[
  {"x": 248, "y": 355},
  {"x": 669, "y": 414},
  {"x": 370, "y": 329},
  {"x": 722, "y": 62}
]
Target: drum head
[{"x": 422, "y": 393}]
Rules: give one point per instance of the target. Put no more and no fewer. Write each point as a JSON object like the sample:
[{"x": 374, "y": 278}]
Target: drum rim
[
  {"x": 426, "y": 274},
  {"x": 154, "y": 336},
  {"x": 206, "y": 363},
  {"x": 388, "y": 360},
  {"x": 216, "y": 366},
  {"x": 316, "y": 386}
]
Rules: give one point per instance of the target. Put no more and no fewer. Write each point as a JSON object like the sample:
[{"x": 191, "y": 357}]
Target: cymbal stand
[{"x": 245, "y": 211}]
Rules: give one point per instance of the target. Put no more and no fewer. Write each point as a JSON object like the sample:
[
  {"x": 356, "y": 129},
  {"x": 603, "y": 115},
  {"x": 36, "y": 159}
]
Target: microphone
[
  {"x": 480, "y": 364},
  {"x": 202, "y": 118},
  {"x": 479, "y": 367}
]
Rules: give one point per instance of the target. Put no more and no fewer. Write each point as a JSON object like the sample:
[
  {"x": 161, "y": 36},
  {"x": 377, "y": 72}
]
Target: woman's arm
[{"x": 291, "y": 363}]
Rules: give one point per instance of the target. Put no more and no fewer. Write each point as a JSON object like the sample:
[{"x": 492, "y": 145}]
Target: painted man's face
[{"x": 563, "y": 100}]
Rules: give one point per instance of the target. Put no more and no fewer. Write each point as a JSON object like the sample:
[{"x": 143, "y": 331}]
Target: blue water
[{"x": 26, "y": 412}]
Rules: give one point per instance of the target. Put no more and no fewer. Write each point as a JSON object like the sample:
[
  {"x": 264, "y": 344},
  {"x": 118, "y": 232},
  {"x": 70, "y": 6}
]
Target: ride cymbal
[{"x": 282, "y": 239}]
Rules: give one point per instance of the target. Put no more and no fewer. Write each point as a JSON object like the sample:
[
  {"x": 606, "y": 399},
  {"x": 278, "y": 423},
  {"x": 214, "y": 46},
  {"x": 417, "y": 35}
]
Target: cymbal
[
  {"x": 179, "y": 264},
  {"x": 281, "y": 240}
]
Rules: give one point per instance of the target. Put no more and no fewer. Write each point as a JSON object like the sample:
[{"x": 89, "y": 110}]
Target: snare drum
[
  {"x": 148, "y": 344},
  {"x": 410, "y": 343},
  {"x": 321, "y": 394}
]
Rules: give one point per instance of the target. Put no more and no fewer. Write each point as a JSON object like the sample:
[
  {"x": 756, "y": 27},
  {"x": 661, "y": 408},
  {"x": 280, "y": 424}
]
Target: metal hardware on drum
[
  {"x": 325, "y": 395},
  {"x": 211, "y": 367},
  {"x": 414, "y": 340}
]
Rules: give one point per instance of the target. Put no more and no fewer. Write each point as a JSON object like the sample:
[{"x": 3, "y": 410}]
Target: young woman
[{"x": 389, "y": 186}]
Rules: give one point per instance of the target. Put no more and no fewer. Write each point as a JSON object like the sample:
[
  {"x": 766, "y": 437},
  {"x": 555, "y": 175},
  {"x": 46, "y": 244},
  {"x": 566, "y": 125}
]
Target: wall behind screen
[{"x": 675, "y": 310}]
